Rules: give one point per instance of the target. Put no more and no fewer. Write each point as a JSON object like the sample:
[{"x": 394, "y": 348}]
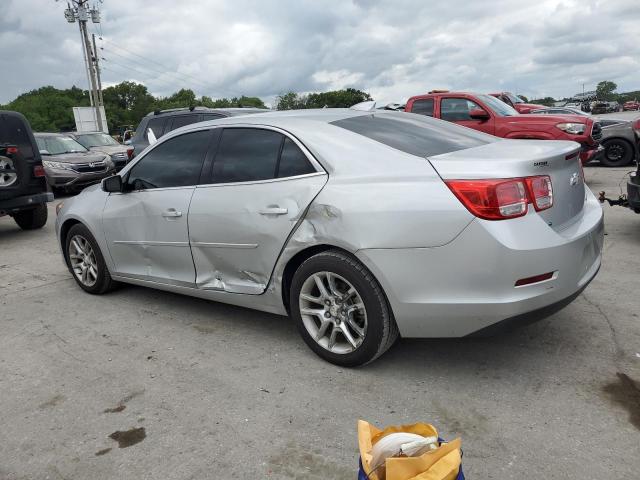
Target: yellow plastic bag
[{"x": 443, "y": 463}]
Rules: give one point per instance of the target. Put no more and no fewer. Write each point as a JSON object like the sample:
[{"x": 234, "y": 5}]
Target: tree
[
  {"x": 605, "y": 90},
  {"x": 126, "y": 103},
  {"x": 333, "y": 99},
  {"x": 547, "y": 101}
]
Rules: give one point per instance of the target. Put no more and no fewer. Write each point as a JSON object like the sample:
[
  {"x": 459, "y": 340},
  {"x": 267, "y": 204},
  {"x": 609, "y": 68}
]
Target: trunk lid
[{"x": 524, "y": 158}]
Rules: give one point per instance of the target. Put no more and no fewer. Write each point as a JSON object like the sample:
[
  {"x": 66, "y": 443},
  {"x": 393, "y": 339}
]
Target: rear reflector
[
  {"x": 12, "y": 150},
  {"x": 534, "y": 279},
  {"x": 38, "y": 171},
  {"x": 499, "y": 199}
]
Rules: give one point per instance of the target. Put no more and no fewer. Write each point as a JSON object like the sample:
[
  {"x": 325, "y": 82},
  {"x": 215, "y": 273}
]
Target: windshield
[
  {"x": 96, "y": 140},
  {"x": 498, "y": 106},
  {"x": 513, "y": 98},
  {"x": 59, "y": 145}
]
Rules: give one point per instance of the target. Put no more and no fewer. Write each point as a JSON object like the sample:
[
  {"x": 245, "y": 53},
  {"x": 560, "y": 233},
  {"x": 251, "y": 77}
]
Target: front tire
[
  {"x": 617, "y": 153},
  {"x": 85, "y": 261},
  {"x": 32, "y": 218},
  {"x": 341, "y": 310}
]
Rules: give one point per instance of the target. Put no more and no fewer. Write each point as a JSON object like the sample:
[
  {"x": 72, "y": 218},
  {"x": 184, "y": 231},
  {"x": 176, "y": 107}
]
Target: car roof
[{"x": 48, "y": 134}]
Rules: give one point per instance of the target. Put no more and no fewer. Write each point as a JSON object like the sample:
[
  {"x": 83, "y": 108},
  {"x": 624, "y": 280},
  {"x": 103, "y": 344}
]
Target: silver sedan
[{"x": 361, "y": 226}]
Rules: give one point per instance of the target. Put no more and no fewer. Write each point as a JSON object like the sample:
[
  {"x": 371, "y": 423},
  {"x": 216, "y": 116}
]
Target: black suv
[
  {"x": 164, "y": 121},
  {"x": 23, "y": 187}
]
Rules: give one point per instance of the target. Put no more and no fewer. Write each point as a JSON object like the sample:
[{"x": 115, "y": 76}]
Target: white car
[{"x": 360, "y": 225}]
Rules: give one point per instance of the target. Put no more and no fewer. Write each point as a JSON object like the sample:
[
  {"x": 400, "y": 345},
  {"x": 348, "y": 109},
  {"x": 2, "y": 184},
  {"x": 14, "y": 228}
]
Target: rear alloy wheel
[
  {"x": 32, "y": 218},
  {"x": 340, "y": 309},
  {"x": 86, "y": 262},
  {"x": 617, "y": 153}
]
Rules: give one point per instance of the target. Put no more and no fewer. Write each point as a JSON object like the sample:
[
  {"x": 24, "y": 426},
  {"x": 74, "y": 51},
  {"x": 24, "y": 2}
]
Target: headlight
[
  {"x": 572, "y": 128},
  {"x": 56, "y": 165}
]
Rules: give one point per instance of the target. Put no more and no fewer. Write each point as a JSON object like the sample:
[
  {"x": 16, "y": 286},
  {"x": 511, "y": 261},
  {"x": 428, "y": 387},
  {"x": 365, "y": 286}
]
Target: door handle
[
  {"x": 171, "y": 213},
  {"x": 273, "y": 210}
]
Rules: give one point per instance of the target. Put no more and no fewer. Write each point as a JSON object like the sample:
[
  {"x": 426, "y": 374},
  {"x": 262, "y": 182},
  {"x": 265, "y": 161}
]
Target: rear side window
[
  {"x": 182, "y": 120},
  {"x": 174, "y": 163},
  {"x": 414, "y": 134},
  {"x": 157, "y": 126},
  {"x": 423, "y": 107},
  {"x": 292, "y": 161}
]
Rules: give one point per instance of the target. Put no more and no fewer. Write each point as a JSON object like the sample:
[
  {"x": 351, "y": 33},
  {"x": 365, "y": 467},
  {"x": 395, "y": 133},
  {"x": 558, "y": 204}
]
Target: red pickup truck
[
  {"x": 516, "y": 102},
  {"x": 487, "y": 114}
]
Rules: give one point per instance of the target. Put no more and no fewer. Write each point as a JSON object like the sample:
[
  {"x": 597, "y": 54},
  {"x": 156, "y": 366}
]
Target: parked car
[
  {"x": 162, "y": 122},
  {"x": 490, "y": 115},
  {"x": 620, "y": 139},
  {"x": 631, "y": 105},
  {"x": 104, "y": 143},
  {"x": 516, "y": 102},
  {"x": 599, "y": 108},
  {"x": 361, "y": 225},
  {"x": 23, "y": 188},
  {"x": 68, "y": 165}
]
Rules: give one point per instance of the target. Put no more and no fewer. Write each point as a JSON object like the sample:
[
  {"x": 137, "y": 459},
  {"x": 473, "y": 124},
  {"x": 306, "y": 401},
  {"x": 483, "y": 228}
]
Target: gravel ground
[{"x": 224, "y": 392}]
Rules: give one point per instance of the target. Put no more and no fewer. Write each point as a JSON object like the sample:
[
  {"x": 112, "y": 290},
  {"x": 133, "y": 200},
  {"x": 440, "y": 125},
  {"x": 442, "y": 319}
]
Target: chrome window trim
[{"x": 269, "y": 180}]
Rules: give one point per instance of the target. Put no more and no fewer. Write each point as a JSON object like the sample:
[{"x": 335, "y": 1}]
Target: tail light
[
  {"x": 38, "y": 171},
  {"x": 12, "y": 150},
  {"x": 130, "y": 153},
  {"x": 636, "y": 126},
  {"x": 500, "y": 199}
]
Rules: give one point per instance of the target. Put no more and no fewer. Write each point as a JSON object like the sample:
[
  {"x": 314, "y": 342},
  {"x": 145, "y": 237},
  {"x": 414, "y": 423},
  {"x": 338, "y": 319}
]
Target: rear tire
[
  {"x": 364, "y": 313},
  {"x": 617, "y": 153},
  {"x": 85, "y": 261},
  {"x": 32, "y": 218}
]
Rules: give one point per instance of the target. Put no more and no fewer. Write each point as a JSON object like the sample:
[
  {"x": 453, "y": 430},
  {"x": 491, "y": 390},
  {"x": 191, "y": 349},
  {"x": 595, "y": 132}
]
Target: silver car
[{"x": 361, "y": 226}]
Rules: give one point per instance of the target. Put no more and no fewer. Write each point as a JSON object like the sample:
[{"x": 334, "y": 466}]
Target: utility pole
[{"x": 80, "y": 10}]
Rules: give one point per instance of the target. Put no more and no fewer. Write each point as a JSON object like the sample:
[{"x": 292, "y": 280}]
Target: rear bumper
[
  {"x": 25, "y": 201},
  {"x": 469, "y": 284}
]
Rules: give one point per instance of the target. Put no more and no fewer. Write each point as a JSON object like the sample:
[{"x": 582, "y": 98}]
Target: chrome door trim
[
  {"x": 152, "y": 243},
  {"x": 269, "y": 180},
  {"x": 223, "y": 245}
]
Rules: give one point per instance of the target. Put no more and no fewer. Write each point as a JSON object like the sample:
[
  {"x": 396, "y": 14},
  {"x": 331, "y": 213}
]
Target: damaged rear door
[
  {"x": 146, "y": 225},
  {"x": 261, "y": 182}
]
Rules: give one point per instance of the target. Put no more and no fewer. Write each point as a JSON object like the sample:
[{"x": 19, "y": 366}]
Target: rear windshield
[
  {"x": 414, "y": 134},
  {"x": 14, "y": 131}
]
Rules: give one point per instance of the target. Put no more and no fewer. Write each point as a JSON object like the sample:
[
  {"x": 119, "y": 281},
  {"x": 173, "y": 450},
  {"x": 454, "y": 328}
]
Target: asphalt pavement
[{"x": 142, "y": 384}]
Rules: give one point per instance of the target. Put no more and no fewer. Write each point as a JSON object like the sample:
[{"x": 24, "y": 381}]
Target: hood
[
  {"x": 110, "y": 149},
  {"x": 534, "y": 119},
  {"x": 80, "y": 157},
  {"x": 527, "y": 107}
]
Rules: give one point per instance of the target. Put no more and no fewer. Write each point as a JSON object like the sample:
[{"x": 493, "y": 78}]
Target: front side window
[
  {"x": 182, "y": 120},
  {"x": 423, "y": 107},
  {"x": 174, "y": 163},
  {"x": 456, "y": 109}
]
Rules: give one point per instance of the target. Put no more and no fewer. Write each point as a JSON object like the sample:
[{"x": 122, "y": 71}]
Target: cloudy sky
[{"x": 392, "y": 49}]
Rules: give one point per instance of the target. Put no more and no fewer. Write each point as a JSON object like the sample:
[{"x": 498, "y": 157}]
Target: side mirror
[
  {"x": 479, "y": 114},
  {"x": 44, "y": 152},
  {"x": 112, "y": 184}
]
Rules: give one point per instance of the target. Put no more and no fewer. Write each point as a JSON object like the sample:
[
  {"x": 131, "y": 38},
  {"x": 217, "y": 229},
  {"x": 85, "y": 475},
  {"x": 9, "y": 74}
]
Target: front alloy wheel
[{"x": 83, "y": 261}]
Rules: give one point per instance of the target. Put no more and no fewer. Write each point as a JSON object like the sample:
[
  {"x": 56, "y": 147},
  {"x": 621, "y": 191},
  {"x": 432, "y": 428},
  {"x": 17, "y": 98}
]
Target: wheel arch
[
  {"x": 64, "y": 230},
  {"x": 300, "y": 257}
]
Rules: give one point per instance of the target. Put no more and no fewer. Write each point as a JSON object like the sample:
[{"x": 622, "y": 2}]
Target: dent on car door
[
  {"x": 146, "y": 225},
  {"x": 262, "y": 182}
]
